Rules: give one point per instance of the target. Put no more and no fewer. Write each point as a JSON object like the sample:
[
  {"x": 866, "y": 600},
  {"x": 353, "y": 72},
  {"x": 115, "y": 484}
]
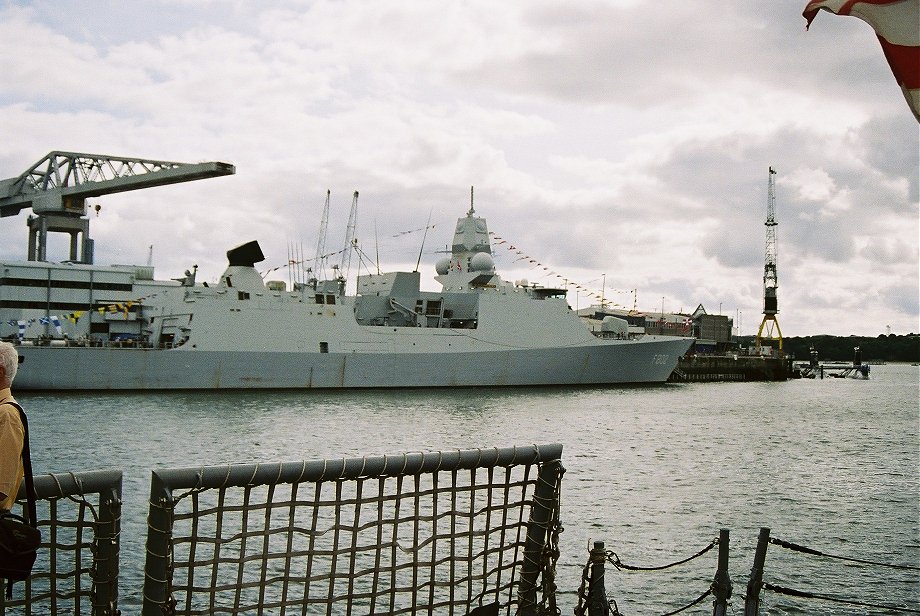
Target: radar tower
[{"x": 769, "y": 326}]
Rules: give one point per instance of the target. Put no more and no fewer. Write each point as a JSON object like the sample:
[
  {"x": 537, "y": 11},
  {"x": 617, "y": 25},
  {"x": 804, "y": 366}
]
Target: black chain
[
  {"x": 806, "y": 550},
  {"x": 614, "y": 560},
  {"x": 696, "y": 601},
  {"x": 811, "y": 595}
]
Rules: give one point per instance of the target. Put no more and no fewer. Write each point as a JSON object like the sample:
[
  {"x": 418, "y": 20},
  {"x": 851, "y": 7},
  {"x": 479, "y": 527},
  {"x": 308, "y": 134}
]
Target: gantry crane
[
  {"x": 57, "y": 186},
  {"x": 769, "y": 326},
  {"x": 349, "y": 238},
  {"x": 318, "y": 261}
]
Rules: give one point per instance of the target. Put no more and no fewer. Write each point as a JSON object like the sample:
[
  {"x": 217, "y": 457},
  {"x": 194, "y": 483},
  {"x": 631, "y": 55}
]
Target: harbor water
[{"x": 654, "y": 472}]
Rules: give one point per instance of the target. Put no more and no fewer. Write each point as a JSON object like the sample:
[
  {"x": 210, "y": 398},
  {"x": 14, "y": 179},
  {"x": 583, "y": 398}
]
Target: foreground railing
[
  {"x": 594, "y": 592},
  {"x": 447, "y": 532},
  {"x": 460, "y": 532},
  {"x": 76, "y": 572}
]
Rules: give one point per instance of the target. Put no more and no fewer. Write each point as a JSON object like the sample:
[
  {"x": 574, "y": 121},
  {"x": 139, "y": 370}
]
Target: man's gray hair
[{"x": 9, "y": 359}]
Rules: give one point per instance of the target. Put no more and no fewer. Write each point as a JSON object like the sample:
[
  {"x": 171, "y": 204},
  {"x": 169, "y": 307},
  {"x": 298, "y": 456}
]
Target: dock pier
[{"x": 711, "y": 368}]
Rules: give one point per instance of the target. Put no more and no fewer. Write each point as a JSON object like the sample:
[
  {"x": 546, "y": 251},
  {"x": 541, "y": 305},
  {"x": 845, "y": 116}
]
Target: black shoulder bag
[{"x": 20, "y": 538}]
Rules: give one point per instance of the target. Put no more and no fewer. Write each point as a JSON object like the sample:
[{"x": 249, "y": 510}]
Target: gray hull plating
[{"x": 152, "y": 369}]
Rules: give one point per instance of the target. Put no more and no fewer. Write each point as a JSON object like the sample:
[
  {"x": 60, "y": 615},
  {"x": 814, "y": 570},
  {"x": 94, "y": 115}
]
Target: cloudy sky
[{"x": 623, "y": 145}]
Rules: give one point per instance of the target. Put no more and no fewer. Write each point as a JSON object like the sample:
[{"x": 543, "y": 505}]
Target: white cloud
[
  {"x": 622, "y": 138},
  {"x": 811, "y": 184}
]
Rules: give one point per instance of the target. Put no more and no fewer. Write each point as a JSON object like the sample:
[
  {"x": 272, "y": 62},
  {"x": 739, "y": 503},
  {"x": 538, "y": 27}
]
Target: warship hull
[
  {"x": 80, "y": 326},
  {"x": 90, "y": 368}
]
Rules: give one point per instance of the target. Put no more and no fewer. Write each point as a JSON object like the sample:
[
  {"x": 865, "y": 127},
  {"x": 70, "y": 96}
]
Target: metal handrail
[{"x": 78, "y": 545}]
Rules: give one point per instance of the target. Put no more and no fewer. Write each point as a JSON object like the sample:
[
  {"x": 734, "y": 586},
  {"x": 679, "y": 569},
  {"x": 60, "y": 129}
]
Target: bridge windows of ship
[{"x": 433, "y": 308}]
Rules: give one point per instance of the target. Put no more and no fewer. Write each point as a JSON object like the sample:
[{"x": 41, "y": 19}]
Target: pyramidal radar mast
[{"x": 769, "y": 326}]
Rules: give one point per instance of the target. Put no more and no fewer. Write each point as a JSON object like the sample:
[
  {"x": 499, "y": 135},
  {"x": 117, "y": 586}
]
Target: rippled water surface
[{"x": 654, "y": 472}]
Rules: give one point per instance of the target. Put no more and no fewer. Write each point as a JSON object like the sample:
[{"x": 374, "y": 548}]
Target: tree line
[{"x": 883, "y": 347}]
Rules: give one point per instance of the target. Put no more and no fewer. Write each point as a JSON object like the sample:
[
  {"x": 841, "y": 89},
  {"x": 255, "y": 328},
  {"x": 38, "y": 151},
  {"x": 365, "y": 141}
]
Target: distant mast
[
  {"x": 769, "y": 326},
  {"x": 318, "y": 269}
]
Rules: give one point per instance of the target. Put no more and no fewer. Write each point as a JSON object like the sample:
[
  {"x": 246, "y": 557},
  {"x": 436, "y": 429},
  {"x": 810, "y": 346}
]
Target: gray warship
[{"x": 80, "y": 326}]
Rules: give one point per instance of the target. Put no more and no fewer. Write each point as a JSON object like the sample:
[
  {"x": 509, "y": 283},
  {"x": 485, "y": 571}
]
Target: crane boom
[
  {"x": 57, "y": 186},
  {"x": 321, "y": 242},
  {"x": 61, "y": 181},
  {"x": 349, "y": 238}
]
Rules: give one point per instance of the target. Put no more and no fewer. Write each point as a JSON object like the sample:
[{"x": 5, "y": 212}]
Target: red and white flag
[{"x": 897, "y": 25}]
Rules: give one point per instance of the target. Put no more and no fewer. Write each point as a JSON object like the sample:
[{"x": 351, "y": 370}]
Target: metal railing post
[
  {"x": 755, "y": 582},
  {"x": 159, "y": 529},
  {"x": 538, "y": 531},
  {"x": 66, "y": 561},
  {"x": 722, "y": 584},
  {"x": 597, "y": 594},
  {"x": 108, "y": 531}
]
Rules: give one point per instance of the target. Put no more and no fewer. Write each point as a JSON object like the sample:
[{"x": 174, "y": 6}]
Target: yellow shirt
[{"x": 11, "y": 435}]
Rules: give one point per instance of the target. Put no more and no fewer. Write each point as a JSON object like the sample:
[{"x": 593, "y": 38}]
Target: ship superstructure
[{"x": 244, "y": 333}]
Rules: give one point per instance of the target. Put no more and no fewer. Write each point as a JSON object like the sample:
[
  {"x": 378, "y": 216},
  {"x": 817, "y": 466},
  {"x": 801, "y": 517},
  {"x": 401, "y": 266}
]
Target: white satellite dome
[
  {"x": 442, "y": 266},
  {"x": 482, "y": 262}
]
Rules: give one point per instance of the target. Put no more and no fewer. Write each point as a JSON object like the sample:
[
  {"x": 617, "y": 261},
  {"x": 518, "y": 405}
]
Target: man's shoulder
[
  {"x": 9, "y": 408},
  {"x": 7, "y": 400}
]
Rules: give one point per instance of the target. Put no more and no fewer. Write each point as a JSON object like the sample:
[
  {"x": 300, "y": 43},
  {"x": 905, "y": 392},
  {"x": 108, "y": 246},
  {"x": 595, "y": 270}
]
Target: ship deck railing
[
  {"x": 83, "y": 342},
  {"x": 452, "y": 532},
  {"x": 79, "y": 516}
]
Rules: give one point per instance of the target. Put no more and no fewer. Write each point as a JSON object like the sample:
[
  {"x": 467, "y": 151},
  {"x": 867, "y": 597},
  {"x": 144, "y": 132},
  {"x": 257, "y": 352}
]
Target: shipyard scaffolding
[{"x": 769, "y": 326}]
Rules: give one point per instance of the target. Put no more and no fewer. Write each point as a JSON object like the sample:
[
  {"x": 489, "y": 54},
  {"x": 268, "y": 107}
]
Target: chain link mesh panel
[
  {"x": 442, "y": 532},
  {"x": 76, "y": 571}
]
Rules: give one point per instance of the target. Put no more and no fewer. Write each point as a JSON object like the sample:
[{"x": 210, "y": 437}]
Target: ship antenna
[
  {"x": 424, "y": 235},
  {"x": 377, "y": 246},
  {"x": 472, "y": 210}
]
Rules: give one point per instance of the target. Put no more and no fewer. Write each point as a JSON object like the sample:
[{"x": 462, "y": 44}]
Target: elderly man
[{"x": 11, "y": 430}]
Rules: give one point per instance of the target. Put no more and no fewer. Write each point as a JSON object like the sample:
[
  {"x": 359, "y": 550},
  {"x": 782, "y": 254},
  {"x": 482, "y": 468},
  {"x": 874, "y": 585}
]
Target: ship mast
[
  {"x": 321, "y": 243},
  {"x": 769, "y": 326},
  {"x": 349, "y": 238}
]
